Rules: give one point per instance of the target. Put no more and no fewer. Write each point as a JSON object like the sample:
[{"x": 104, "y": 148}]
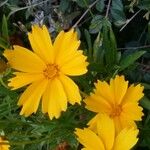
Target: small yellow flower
[
  {"x": 106, "y": 139},
  {"x": 46, "y": 71},
  {"x": 118, "y": 101},
  {"x": 4, "y": 144}
]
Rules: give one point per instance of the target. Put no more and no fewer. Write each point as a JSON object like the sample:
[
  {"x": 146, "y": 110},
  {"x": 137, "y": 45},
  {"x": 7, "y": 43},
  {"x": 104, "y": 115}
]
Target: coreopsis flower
[
  {"x": 46, "y": 70},
  {"x": 4, "y": 144},
  {"x": 105, "y": 138},
  {"x": 117, "y": 100}
]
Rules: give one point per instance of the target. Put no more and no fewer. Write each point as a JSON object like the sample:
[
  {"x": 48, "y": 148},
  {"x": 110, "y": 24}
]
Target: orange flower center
[
  {"x": 51, "y": 71},
  {"x": 116, "y": 111}
]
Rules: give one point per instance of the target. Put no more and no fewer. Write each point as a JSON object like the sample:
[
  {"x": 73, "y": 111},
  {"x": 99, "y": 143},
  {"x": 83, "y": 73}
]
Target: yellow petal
[
  {"x": 71, "y": 89},
  {"x": 125, "y": 122},
  {"x": 5, "y": 146},
  {"x": 58, "y": 41},
  {"x": 75, "y": 65},
  {"x": 68, "y": 54},
  {"x": 103, "y": 89},
  {"x": 118, "y": 124},
  {"x": 31, "y": 97},
  {"x": 64, "y": 44},
  {"x": 132, "y": 111},
  {"x": 86, "y": 149},
  {"x": 93, "y": 123},
  {"x": 97, "y": 104},
  {"x": 40, "y": 41},
  {"x": 21, "y": 79},
  {"x": 89, "y": 139},
  {"x": 24, "y": 60},
  {"x": 54, "y": 99},
  {"x": 133, "y": 94},
  {"x": 119, "y": 85},
  {"x": 106, "y": 131},
  {"x": 126, "y": 139}
]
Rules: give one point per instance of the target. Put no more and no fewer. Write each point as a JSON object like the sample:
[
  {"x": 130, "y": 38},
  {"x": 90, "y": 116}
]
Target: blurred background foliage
[{"x": 115, "y": 36}]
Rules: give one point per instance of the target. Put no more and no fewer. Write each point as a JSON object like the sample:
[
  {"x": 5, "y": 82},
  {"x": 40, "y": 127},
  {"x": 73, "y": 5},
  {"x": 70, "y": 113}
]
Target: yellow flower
[
  {"x": 117, "y": 100},
  {"x": 46, "y": 69},
  {"x": 106, "y": 139},
  {"x": 4, "y": 144}
]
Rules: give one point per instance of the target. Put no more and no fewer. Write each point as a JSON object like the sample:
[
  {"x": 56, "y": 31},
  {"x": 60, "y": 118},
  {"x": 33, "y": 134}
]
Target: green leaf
[
  {"x": 109, "y": 44},
  {"x": 144, "y": 4},
  {"x": 117, "y": 13},
  {"x": 96, "y": 24},
  {"x": 64, "y": 4},
  {"x": 100, "y": 5},
  {"x": 145, "y": 102},
  {"x": 130, "y": 59},
  {"x": 3, "y": 43},
  {"x": 5, "y": 28},
  {"x": 89, "y": 43},
  {"x": 83, "y": 3},
  {"x": 148, "y": 34},
  {"x": 146, "y": 86},
  {"x": 98, "y": 51}
]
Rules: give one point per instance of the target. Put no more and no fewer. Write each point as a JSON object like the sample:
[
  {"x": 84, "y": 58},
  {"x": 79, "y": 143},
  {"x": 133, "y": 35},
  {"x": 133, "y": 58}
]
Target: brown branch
[
  {"x": 108, "y": 7},
  {"x": 130, "y": 19},
  {"x": 90, "y": 6},
  {"x": 139, "y": 47}
]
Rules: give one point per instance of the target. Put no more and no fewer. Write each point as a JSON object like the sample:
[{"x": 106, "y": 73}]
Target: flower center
[
  {"x": 51, "y": 71},
  {"x": 116, "y": 111}
]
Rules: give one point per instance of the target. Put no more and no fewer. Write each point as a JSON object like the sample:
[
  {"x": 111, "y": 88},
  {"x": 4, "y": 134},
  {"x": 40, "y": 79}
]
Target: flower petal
[
  {"x": 132, "y": 111},
  {"x": 125, "y": 122},
  {"x": 119, "y": 85},
  {"x": 21, "y": 79},
  {"x": 75, "y": 64},
  {"x": 103, "y": 89},
  {"x": 106, "y": 131},
  {"x": 126, "y": 139},
  {"x": 133, "y": 94},
  {"x": 5, "y": 146},
  {"x": 31, "y": 97},
  {"x": 54, "y": 99},
  {"x": 93, "y": 122},
  {"x": 118, "y": 124},
  {"x": 97, "y": 104},
  {"x": 89, "y": 139},
  {"x": 71, "y": 89},
  {"x": 41, "y": 43},
  {"x": 65, "y": 44},
  {"x": 24, "y": 60}
]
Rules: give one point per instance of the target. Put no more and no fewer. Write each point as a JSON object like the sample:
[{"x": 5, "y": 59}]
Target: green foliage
[
  {"x": 109, "y": 50},
  {"x": 117, "y": 12},
  {"x": 130, "y": 59}
]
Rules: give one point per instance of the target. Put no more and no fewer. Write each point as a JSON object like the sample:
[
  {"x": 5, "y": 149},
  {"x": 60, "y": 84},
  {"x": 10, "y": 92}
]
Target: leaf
[
  {"x": 83, "y": 3},
  {"x": 146, "y": 86},
  {"x": 145, "y": 102},
  {"x": 89, "y": 43},
  {"x": 98, "y": 51},
  {"x": 96, "y": 24},
  {"x": 148, "y": 28},
  {"x": 117, "y": 13},
  {"x": 109, "y": 44},
  {"x": 3, "y": 44},
  {"x": 144, "y": 4},
  {"x": 5, "y": 28},
  {"x": 64, "y": 4},
  {"x": 130, "y": 59},
  {"x": 100, "y": 5}
]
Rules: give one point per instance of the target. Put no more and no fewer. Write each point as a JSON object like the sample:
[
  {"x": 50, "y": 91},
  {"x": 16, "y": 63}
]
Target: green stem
[{"x": 2, "y": 83}]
